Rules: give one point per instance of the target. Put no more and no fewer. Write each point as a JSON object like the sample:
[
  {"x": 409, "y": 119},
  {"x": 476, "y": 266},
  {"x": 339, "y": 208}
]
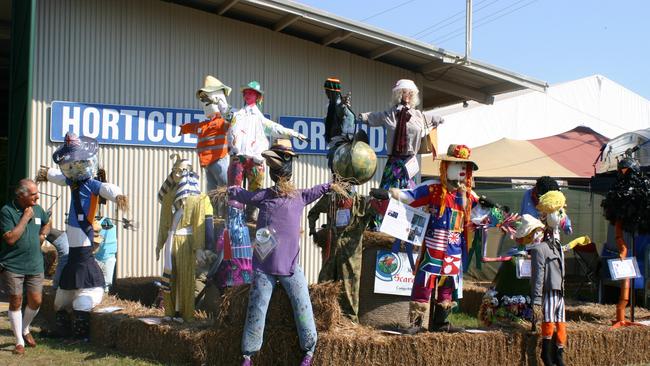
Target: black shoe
[
  {"x": 547, "y": 352},
  {"x": 81, "y": 325},
  {"x": 559, "y": 356},
  {"x": 439, "y": 323}
]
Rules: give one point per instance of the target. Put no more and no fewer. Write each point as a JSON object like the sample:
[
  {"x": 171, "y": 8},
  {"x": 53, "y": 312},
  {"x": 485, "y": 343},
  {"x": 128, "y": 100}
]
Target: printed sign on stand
[{"x": 393, "y": 275}]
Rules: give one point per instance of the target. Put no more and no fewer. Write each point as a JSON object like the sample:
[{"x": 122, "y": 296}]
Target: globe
[{"x": 355, "y": 161}]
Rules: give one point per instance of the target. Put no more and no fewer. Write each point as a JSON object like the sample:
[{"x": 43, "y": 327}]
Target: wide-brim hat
[
  {"x": 253, "y": 85},
  {"x": 528, "y": 223},
  {"x": 75, "y": 148},
  {"x": 458, "y": 153},
  {"x": 551, "y": 201},
  {"x": 212, "y": 84},
  {"x": 277, "y": 154}
]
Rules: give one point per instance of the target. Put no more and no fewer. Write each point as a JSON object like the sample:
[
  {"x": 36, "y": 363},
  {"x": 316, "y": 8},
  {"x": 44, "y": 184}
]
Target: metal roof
[{"x": 447, "y": 77}]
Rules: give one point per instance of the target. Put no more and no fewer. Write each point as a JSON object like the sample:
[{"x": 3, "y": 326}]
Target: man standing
[{"x": 24, "y": 226}]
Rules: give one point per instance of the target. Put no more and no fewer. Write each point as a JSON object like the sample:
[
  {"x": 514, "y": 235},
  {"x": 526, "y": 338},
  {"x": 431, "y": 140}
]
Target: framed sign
[{"x": 621, "y": 269}]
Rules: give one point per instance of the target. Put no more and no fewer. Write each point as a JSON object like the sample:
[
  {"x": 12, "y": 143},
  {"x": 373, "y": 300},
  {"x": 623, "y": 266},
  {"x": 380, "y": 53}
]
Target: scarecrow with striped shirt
[
  {"x": 185, "y": 228},
  {"x": 547, "y": 278}
]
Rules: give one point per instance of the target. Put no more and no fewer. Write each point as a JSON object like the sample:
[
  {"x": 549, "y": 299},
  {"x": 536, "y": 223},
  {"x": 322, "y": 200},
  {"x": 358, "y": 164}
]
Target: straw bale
[
  {"x": 141, "y": 289},
  {"x": 164, "y": 343},
  {"x": 324, "y": 300},
  {"x": 377, "y": 240}
]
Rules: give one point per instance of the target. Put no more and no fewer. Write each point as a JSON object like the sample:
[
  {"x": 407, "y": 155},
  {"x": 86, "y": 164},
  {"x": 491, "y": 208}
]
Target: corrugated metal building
[{"x": 156, "y": 53}]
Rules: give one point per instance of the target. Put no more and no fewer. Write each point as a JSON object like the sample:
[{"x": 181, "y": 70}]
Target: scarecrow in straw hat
[
  {"x": 81, "y": 286},
  {"x": 212, "y": 147},
  {"x": 339, "y": 121},
  {"x": 185, "y": 232},
  {"x": 405, "y": 129},
  {"x": 248, "y": 138},
  {"x": 276, "y": 250},
  {"x": 547, "y": 278},
  {"x": 449, "y": 201}
]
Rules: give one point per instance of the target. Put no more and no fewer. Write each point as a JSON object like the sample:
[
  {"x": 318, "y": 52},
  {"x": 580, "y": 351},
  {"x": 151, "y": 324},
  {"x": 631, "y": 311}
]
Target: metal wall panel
[{"x": 153, "y": 53}]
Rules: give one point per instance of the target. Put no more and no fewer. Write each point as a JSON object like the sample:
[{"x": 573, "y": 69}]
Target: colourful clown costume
[
  {"x": 440, "y": 261},
  {"x": 81, "y": 286},
  {"x": 185, "y": 228}
]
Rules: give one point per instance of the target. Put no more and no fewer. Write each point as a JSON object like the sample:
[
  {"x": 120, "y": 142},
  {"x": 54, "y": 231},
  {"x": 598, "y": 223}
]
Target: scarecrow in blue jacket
[{"x": 81, "y": 286}]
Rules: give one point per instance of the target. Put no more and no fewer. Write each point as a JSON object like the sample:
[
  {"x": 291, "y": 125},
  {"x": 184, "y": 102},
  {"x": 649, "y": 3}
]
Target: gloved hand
[
  {"x": 201, "y": 258},
  {"x": 379, "y": 193},
  {"x": 302, "y": 137},
  {"x": 157, "y": 254}
]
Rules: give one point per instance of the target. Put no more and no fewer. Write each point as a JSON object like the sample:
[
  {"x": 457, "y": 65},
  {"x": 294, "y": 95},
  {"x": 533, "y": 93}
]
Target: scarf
[{"x": 400, "y": 145}]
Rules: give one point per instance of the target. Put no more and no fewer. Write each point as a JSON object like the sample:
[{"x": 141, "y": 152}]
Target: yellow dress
[{"x": 180, "y": 240}]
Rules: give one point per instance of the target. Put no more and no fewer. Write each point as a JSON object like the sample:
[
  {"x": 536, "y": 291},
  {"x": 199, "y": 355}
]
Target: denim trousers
[
  {"x": 62, "y": 250},
  {"x": 258, "y": 304},
  {"x": 217, "y": 173}
]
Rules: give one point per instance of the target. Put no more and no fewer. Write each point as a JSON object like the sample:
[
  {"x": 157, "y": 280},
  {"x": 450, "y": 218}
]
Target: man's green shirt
[{"x": 25, "y": 256}]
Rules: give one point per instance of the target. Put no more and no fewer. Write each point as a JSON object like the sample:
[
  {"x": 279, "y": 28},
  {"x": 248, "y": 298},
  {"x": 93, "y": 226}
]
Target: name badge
[
  {"x": 343, "y": 217},
  {"x": 412, "y": 166},
  {"x": 37, "y": 220}
]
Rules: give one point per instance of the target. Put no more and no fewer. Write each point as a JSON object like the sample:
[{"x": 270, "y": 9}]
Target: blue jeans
[
  {"x": 217, "y": 173},
  {"x": 62, "y": 250},
  {"x": 108, "y": 268},
  {"x": 258, "y": 303}
]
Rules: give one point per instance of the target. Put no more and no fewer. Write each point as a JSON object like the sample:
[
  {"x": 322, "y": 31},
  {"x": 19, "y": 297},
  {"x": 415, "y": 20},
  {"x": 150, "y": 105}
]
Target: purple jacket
[{"x": 281, "y": 214}]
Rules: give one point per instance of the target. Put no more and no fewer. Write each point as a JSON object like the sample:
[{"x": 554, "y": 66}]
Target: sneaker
[
  {"x": 29, "y": 340},
  {"x": 19, "y": 350},
  {"x": 306, "y": 361}
]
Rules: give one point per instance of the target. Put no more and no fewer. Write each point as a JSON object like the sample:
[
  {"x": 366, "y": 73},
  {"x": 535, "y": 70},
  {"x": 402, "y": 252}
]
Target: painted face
[
  {"x": 80, "y": 170},
  {"x": 554, "y": 220},
  {"x": 211, "y": 101},
  {"x": 406, "y": 96},
  {"x": 250, "y": 96},
  {"x": 181, "y": 169},
  {"x": 456, "y": 171},
  {"x": 30, "y": 198}
]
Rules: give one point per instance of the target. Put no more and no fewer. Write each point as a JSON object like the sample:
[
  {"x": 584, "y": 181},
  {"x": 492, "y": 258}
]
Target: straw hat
[
  {"x": 212, "y": 84},
  {"x": 458, "y": 153},
  {"x": 528, "y": 224},
  {"x": 405, "y": 84},
  {"x": 280, "y": 152}
]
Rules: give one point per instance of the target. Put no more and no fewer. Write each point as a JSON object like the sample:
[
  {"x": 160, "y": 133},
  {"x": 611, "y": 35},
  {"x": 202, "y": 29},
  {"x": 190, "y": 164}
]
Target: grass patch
[
  {"x": 463, "y": 320},
  {"x": 60, "y": 352}
]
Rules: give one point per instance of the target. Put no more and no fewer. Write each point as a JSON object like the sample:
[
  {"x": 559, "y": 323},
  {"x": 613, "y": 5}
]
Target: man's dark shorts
[{"x": 13, "y": 282}]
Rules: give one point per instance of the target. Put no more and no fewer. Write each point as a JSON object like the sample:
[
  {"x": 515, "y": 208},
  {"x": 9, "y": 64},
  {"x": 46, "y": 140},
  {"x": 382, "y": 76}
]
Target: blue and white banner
[
  {"x": 123, "y": 125},
  {"x": 157, "y": 126},
  {"x": 314, "y": 129}
]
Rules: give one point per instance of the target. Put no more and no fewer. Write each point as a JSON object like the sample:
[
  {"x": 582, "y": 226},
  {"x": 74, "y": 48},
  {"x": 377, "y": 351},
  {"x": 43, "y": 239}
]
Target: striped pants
[{"x": 553, "y": 308}]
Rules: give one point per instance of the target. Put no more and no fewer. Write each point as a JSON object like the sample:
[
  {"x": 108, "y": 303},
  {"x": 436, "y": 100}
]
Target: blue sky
[{"x": 551, "y": 40}]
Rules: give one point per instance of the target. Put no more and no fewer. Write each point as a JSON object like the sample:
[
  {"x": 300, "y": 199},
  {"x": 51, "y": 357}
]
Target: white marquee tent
[{"x": 595, "y": 102}]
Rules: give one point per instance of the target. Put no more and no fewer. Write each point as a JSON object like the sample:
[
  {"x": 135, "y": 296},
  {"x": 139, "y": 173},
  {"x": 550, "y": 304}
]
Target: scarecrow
[
  {"x": 339, "y": 121},
  {"x": 449, "y": 201},
  {"x": 211, "y": 146},
  {"x": 341, "y": 240},
  {"x": 276, "y": 250},
  {"x": 626, "y": 206},
  {"x": 406, "y": 127},
  {"x": 81, "y": 286},
  {"x": 185, "y": 230},
  {"x": 247, "y": 139},
  {"x": 547, "y": 277}
]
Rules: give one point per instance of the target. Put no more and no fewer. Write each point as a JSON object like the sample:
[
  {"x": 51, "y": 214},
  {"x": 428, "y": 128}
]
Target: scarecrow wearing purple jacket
[{"x": 276, "y": 251}]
